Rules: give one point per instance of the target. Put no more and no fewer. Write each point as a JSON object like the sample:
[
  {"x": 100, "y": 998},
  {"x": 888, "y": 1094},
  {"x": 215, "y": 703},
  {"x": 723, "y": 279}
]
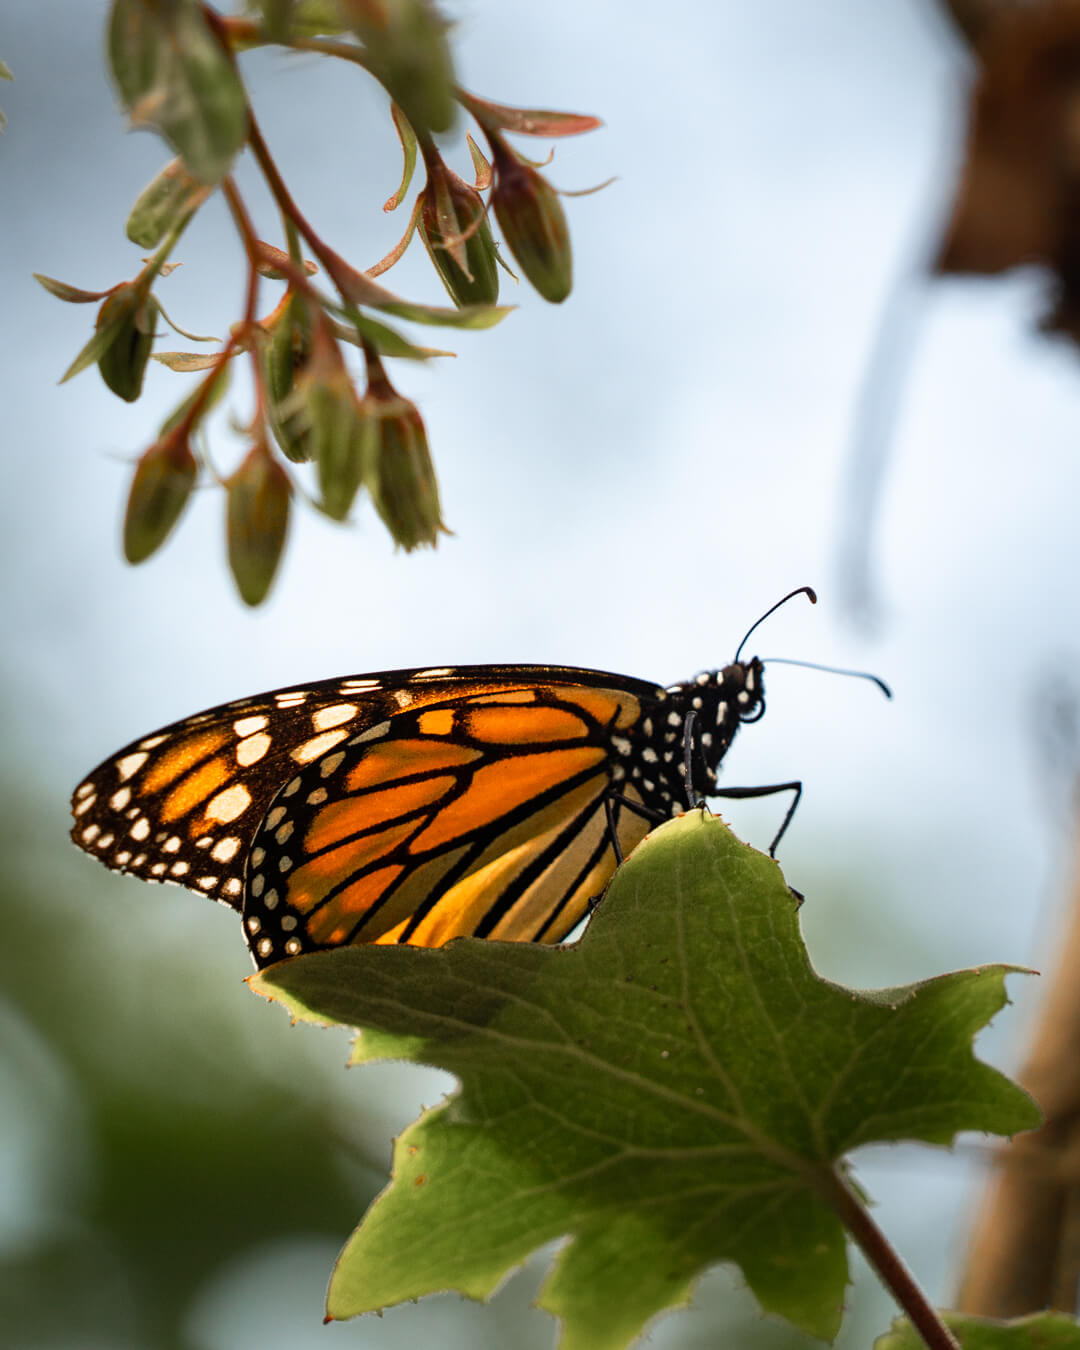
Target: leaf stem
[
  {"x": 251, "y": 248},
  {"x": 284, "y": 199},
  {"x": 885, "y": 1260}
]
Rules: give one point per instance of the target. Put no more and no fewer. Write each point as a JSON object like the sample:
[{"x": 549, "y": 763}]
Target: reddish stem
[
  {"x": 883, "y": 1257},
  {"x": 249, "y": 325}
]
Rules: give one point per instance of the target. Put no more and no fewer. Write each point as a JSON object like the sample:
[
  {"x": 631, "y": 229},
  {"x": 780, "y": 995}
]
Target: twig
[{"x": 883, "y": 1257}]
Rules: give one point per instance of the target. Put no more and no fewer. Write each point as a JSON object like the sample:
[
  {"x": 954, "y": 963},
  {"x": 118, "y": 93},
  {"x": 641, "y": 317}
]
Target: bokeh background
[{"x": 632, "y": 478}]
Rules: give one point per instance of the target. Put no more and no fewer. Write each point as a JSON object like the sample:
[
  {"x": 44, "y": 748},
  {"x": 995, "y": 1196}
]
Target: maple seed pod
[
  {"x": 129, "y": 315},
  {"x": 257, "y": 518},
  {"x": 454, "y": 227},
  {"x": 399, "y": 472},
  {"x": 533, "y": 223},
  {"x": 284, "y": 355},
  {"x": 164, "y": 478},
  {"x": 340, "y": 436}
]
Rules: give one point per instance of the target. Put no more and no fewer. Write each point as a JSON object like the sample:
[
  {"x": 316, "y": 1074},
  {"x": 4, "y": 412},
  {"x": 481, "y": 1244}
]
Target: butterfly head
[
  {"x": 708, "y": 711},
  {"x": 742, "y": 682}
]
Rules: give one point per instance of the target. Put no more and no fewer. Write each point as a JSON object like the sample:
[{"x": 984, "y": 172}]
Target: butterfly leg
[
  {"x": 688, "y": 770},
  {"x": 767, "y": 791},
  {"x": 613, "y": 832},
  {"x": 639, "y": 808}
]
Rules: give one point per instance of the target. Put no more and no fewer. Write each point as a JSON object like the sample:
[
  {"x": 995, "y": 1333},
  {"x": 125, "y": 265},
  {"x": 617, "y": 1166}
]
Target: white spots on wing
[
  {"x": 152, "y": 742},
  {"x": 618, "y": 772},
  {"x": 248, "y": 726},
  {"x": 621, "y": 744},
  {"x": 157, "y": 869},
  {"x": 274, "y": 817},
  {"x": 358, "y": 685},
  {"x": 179, "y": 869},
  {"x": 317, "y": 797},
  {"x": 292, "y": 786},
  {"x": 270, "y": 899},
  {"x": 318, "y": 746},
  {"x": 83, "y": 790},
  {"x": 265, "y": 946},
  {"x": 646, "y": 726},
  {"x": 292, "y": 946},
  {"x": 436, "y": 673},
  {"x": 649, "y": 755},
  {"x": 207, "y": 883},
  {"x": 227, "y": 805},
  {"x": 122, "y": 858},
  {"x": 402, "y": 698},
  {"x": 224, "y": 850},
  {"x": 293, "y": 699},
  {"x": 139, "y": 860},
  {"x": 120, "y": 798},
  {"x": 171, "y": 845},
  {"x": 374, "y": 733},
  {"x": 288, "y": 922},
  {"x": 257, "y": 856},
  {"x": 257, "y": 885},
  {"x": 284, "y": 863},
  {"x": 90, "y": 834},
  {"x": 334, "y": 716},
  {"x": 253, "y": 924},
  {"x": 86, "y": 804},
  {"x": 331, "y": 764},
  {"x": 131, "y": 764},
  {"x": 284, "y": 834},
  {"x": 251, "y": 749},
  {"x": 204, "y": 841},
  {"x": 140, "y": 830},
  {"x": 233, "y": 886}
]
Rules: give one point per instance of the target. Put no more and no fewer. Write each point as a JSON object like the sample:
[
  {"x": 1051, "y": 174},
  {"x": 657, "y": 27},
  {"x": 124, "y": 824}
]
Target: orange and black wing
[
  {"x": 485, "y": 813},
  {"x": 184, "y": 803}
]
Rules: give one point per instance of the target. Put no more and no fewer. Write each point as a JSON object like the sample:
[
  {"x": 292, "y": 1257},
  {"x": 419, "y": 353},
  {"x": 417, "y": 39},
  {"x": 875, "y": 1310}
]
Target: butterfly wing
[
  {"x": 483, "y": 813},
  {"x": 184, "y": 804}
]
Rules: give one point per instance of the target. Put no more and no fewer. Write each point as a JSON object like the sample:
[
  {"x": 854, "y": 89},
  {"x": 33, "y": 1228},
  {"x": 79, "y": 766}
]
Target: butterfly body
[{"x": 414, "y": 806}]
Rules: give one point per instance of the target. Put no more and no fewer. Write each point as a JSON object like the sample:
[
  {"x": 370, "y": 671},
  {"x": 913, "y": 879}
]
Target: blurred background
[{"x": 632, "y": 478}]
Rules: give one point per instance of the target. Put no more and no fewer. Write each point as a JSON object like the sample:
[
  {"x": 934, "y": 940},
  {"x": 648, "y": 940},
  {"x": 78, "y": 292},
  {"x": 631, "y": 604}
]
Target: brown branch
[
  {"x": 1024, "y": 1251},
  {"x": 975, "y": 17}
]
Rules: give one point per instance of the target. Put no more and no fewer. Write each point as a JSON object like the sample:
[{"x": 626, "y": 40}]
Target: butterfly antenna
[
  {"x": 829, "y": 670},
  {"x": 802, "y": 590}
]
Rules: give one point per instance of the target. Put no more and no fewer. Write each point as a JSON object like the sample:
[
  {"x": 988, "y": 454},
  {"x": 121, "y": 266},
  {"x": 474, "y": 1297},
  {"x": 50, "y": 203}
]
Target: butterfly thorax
[{"x": 694, "y": 721}]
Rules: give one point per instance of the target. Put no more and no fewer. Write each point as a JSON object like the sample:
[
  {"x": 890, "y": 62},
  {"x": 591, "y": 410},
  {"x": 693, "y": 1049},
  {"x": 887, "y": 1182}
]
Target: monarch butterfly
[{"x": 417, "y": 805}]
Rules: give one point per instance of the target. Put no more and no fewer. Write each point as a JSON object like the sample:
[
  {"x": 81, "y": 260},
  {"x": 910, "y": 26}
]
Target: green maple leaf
[
  {"x": 675, "y": 1090},
  {"x": 1042, "y": 1331}
]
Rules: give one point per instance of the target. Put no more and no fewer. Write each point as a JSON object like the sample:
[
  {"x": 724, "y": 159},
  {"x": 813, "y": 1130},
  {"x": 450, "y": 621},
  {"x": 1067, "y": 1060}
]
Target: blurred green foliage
[{"x": 154, "y": 1123}]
